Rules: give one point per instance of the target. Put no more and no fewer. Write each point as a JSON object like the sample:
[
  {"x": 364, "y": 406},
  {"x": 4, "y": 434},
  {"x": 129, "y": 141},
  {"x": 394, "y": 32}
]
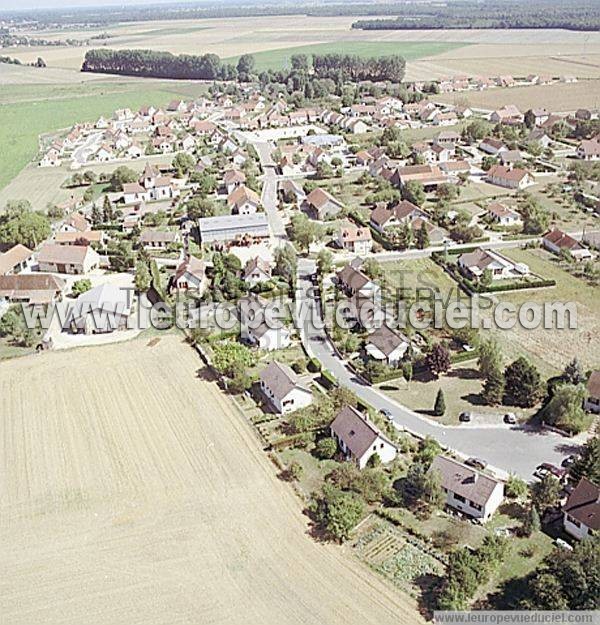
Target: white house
[
  {"x": 268, "y": 336},
  {"x": 281, "y": 387},
  {"x": 190, "y": 275},
  {"x": 557, "y": 241},
  {"x": 475, "y": 263},
  {"x": 592, "y": 398},
  {"x": 256, "y": 271},
  {"x": 359, "y": 438},
  {"x": 15, "y": 260},
  {"x": 467, "y": 489},
  {"x": 105, "y": 308},
  {"x": 582, "y": 510},
  {"x": 503, "y": 215},
  {"x": 73, "y": 259},
  {"x": 355, "y": 239},
  {"x": 385, "y": 345},
  {"x": 243, "y": 201},
  {"x": 51, "y": 158}
]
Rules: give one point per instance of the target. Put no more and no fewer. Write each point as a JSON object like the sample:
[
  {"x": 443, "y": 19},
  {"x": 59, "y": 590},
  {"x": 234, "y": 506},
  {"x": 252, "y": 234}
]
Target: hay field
[
  {"x": 556, "y": 97},
  {"x": 133, "y": 493}
]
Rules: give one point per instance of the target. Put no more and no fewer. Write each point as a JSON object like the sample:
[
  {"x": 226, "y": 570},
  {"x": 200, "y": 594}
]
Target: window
[
  {"x": 575, "y": 522},
  {"x": 459, "y": 498},
  {"x": 474, "y": 505}
]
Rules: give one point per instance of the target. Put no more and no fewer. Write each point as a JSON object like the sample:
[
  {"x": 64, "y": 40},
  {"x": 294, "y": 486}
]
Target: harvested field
[{"x": 133, "y": 493}]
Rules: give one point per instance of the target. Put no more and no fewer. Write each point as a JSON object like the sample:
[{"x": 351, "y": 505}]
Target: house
[
  {"x": 359, "y": 439},
  {"x": 447, "y": 138},
  {"x": 15, "y": 260},
  {"x": 492, "y": 146},
  {"x": 256, "y": 271},
  {"x": 319, "y": 204},
  {"x": 581, "y": 512},
  {"x": 475, "y": 264},
  {"x": 31, "y": 288},
  {"x": 557, "y": 242},
  {"x": 190, "y": 275},
  {"x": 592, "y": 239},
  {"x": 510, "y": 157},
  {"x": 232, "y": 179},
  {"x": 430, "y": 176},
  {"x": 282, "y": 388},
  {"x": 233, "y": 228},
  {"x": 152, "y": 238},
  {"x": 404, "y": 211},
  {"x": 539, "y": 135},
  {"x": 592, "y": 398},
  {"x": 81, "y": 238},
  {"x": 243, "y": 201},
  {"x": 508, "y": 114},
  {"x": 386, "y": 346},
  {"x": 589, "y": 150},
  {"x": 73, "y": 259},
  {"x": 540, "y": 116},
  {"x": 454, "y": 168},
  {"x": 503, "y": 216},
  {"x": 467, "y": 489},
  {"x": 354, "y": 282},
  {"x": 51, "y": 158},
  {"x": 76, "y": 222},
  {"x": 268, "y": 336},
  {"x": 105, "y": 308},
  {"x": 355, "y": 239},
  {"x": 291, "y": 192},
  {"x": 510, "y": 178}
]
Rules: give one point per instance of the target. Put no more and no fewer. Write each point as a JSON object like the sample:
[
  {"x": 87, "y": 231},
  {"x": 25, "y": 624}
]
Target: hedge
[{"x": 329, "y": 378}]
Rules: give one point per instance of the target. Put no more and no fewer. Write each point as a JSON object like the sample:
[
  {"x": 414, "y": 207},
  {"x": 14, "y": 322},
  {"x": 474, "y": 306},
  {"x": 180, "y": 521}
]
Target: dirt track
[{"x": 132, "y": 493}]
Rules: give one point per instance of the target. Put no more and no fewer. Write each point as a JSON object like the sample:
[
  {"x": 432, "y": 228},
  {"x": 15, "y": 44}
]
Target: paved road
[
  {"x": 269, "y": 192},
  {"x": 515, "y": 449}
]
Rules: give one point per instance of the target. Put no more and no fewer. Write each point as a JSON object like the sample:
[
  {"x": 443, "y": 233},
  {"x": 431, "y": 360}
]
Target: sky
[{"x": 8, "y": 5}]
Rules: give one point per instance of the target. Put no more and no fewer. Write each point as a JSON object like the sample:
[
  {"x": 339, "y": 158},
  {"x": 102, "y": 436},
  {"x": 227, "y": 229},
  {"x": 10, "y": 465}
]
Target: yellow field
[{"x": 132, "y": 493}]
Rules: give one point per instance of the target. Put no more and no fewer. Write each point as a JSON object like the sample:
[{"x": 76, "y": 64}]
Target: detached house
[
  {"x": 492, "y": 146},
  {"x": 105, "y": 308},
  {"x": 386, "y": 346},
  {"x": 190, "y": 274},
  {"x": 31, "y": 288},
  {"x": 467, "y": 489},
  {"x": 282, "y": 388},
  {"x": 232, "y": 179},
  {"x": 557, "y": 241},
  {"x": 475, "y": 264},
  {"x": 73, "y": 259},
  {"x": 256, "y": 271},
  {"x": 355, "y": 239},
  {"x": 509, "y": 178},
  {"x": 404, "y": 211},
  {"x": 592, "y": 398},
  {"x": 359, "y": 439},
  {"x": 589, "y": 150},
  {"x": 15, "y": 260},
  {"x": 243, "y": 201},
  {"x": 581, "y": 513},
  {"x": 319, "y": 204},
  {"x": 503, "y": 215}
]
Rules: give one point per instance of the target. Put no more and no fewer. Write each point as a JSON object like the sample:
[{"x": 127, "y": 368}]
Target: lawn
[
  {"x": 280, "y": 58},
  {"x": 26, "y": 111}
]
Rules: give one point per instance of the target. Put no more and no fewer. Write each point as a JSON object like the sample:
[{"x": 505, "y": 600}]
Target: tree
[
  {"x": 198, "y": 207},
  {"x": 531, "y": 522},
  {"x": 96, "y": 215},
  {"x": 183, "y": 163},
  {"x": 486, "y": 278},
  {"x": 523, "y": 383},
  {"x": 493, "y": 388},
  {"x": 573, "y": 372},
  {"x": 324, "y": 262},
  {"x": 120, "y": 255},
  {"x": 107, "y": 210},
  {"x": 413, "y": 192},
  {"x": 295, "y": 471},
  {"x": 13, "y": 326},
  {"x": 26, "y": 228},
  {"x": 422, "y": 236},
  {"x": 545, "y": 493},
  {"x": 120, "y": 176},
  {"x": 490, "y": 357},
  {"x": 286, "y": 264},
  {"x": 303, "y": 231},
  {"x": 588, "y": 464},
  {"x": 326, "y": 448},
  {"x": 337, "y": 511},
  {"x": 143, "y": 279},
  {"x": 245, "y": 66},
  {"x": 565, "y": 408},
  {"x": 240, "y": 382},
  {"x": 438, "y": 359},
  {"x": 516, "y": 487},
  {"x": 81, "y": 286},
  {"x": 231, "y": 358},
  {"x": 440, "y": 404},
  {"x": 372, "y": 268},
  {"x": 407, "y": 371}
]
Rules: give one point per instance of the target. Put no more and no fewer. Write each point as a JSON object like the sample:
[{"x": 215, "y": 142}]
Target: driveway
[{"x": 508, "y": 449}]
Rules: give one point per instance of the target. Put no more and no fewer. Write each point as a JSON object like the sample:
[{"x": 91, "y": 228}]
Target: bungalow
[
  {"x": 190, "y": 275},
  {"x": 557, "y": 242},
  {"x": 589, "y": 150},
  {"x": 104, "y": 154},
  {"x": 72, "y": 259},
  {"x": 453, "y": 168},
  {"x": 503, "y": 215},
  {"x": 81, "y": 238},
  {"x": 243, "y": 201},
  {"x": 152, "y": 238},
  {"x": 592, "y": 398},
  {"x": 492, "y": 146},
  {"x": 233, "y": 227},
  {"x": 510, "y": 157},
  {"x": 291, "y": 192},
  {"x": 510, "y": 178},
  {"x": 404, "y": 211},
  {"x": 508, "y": 114},
  {"x": 15, "y": 260},
  {"x": 475, "y": 264},
  {"x": 319, "y": 204},
  {"x": 467, "y": 489},
  {"x": 134, "y": 151},
  {"x": 581, "y": 512},
  {"x": 105, "y": 308},
  {"x": 188, "y": 144},
  {"x": 430, "y": 176},
  {"x": 355, "y": 239},
  {"x": 360, "y": 439},
  {"x": 364, "y": 158},
  {"x": 31, "y": 288},
  {"x": 385, "y": 345},
  {"x": 268, "y": 337},
  {"x": 256, "y": 271},
  {"x": 282, "y": 388}
]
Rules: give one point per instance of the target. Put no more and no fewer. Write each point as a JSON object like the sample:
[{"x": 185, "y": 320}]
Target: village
[{"x": 236, "y": 201}]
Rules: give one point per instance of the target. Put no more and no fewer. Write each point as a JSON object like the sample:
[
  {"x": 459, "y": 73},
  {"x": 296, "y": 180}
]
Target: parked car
[
  {"x": 464, "y": 417},
  {"x": 546, "y": 468},
  {"x": 510, "y": 417},
  {"x": 387, "y": 414},
  {"x": 559, "y": 542},
  {"x": 476, "y": 463},
  {"x": 569, "y": 461}
]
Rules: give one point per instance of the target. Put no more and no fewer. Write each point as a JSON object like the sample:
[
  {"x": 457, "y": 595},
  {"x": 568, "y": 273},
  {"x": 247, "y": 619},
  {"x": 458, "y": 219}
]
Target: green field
[
  {"x": 280, "y": 58},
  {"x": 26, "y": 111}
]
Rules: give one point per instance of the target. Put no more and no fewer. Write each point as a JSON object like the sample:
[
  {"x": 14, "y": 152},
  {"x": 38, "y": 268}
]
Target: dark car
[
  {"x": 476, "y": 463},
  {"x": 387, "y": 414},
  {"x": 569, "y": 461},
  {"x": 464, "y": 417}
]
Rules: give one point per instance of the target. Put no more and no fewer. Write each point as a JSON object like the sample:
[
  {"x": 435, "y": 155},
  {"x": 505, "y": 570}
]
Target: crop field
[
  {"x": 26, "y": 111},
  {"x": 133, "y": 493}
]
